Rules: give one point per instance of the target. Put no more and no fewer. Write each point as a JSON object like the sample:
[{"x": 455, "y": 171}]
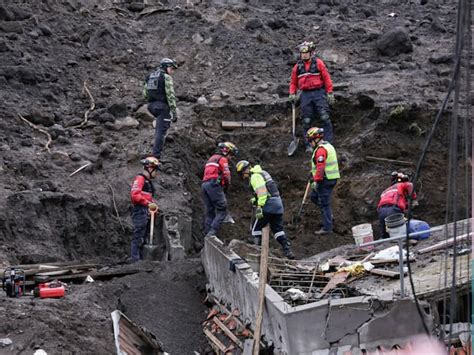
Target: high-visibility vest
[{"x": 332, "y": 167}]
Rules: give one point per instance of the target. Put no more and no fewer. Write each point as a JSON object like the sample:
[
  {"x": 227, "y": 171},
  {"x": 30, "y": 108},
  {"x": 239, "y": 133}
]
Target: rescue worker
[
  {"x": 324, "y": 174},
  {"x": 394, "y": 199},
  {"x": 269, "y": 206},
  {"x": 159, "y": 91},
  {"x": 141, "y": 194},
  {"x": 311, "y": 76},
  {"x": 215, "y": 183}
]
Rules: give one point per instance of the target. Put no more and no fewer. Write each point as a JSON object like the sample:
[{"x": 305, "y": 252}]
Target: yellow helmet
[
  {"x": 227, "y": 148},
  {"x": 315, "y": 134},
  {"x": 241, "y": 166},
  {"x": 150, "y": 162}
]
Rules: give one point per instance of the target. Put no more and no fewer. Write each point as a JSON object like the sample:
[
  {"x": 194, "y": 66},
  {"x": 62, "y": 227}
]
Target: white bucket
[{"x": 363, "y": 233}]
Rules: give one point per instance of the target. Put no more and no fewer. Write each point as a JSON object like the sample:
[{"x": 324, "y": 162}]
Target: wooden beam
[
  {"x": 388, "y": 273},
  {"x": 215, "y": 341},
  {"x": 243, "y": 124},
  {"x": 338, "y": 278},
  {"x": 228, "y": 332},
  {"x": 444, "y": 244},
  {"x": 385, "y": 160},
  {"x": 261, "y": 289}
]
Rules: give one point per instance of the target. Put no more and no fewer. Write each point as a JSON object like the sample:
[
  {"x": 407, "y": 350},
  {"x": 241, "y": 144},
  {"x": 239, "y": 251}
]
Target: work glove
[
  {"x": 152, "y": 207},
  {"x": 174, "y": 116},
  {"x": 253, "y": 201},
  {"x": 259, "y": 213},
  {"x": 331, "y": 99},
  {"x": 292, "y": 98},
  {"x": 314, "y": 186}
]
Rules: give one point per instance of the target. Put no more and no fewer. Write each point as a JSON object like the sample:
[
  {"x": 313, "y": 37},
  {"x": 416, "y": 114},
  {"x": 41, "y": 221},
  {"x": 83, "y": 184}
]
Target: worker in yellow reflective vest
[
  {"x": 324, "y": 172},
  {"x": 269, "y": 207}
]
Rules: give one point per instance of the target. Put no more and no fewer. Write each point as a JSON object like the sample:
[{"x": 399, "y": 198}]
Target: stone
[
  {"x": 142, "y": 114},
  {"x": 118, "y": 109},
  {"x": 253, "y": 24},
  {"x": 437, "y": 25},
  {"x": 56, "y": 130},
  {"x": 197, "y": 38},
  {"x": 136, "y": 6},
  {"x": 125, "y": 123},
  {"x": 11, "y": 27},
  {"x": 33, "y": 34},
  {"x": 202, "y": 100},
  {"x": 441, "y": 58},
  {"x": 44, "y": 118},
  {"x": 394, "y": 42},
  {"x": 276, "y": 24},
  {"x": 5, "y": 342},
  {"x": 6, "y": 14},
  {"x": 73, "y": 122},
  {"x": 45, "y": 30}
]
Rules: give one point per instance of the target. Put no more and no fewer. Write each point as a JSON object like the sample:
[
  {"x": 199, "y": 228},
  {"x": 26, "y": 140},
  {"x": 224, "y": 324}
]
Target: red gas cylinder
[{"x": 50, "y": 290}]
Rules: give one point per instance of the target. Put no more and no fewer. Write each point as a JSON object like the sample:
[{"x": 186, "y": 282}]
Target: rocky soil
[{"x": 390, "y": 62}]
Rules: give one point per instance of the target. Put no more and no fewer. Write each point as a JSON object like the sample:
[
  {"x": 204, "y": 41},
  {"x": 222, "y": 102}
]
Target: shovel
[
  {"x": 149, "y": 249},
  {"x": 296, "y": 218},
  {"x": 228, "y": 219},
  {"x": 294, "y": 143}
]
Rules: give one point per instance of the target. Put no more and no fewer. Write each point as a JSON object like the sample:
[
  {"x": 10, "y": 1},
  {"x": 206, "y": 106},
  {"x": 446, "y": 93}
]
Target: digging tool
[
  {"x": 296, "y": 218},
  {"x": 228, "y": 219},
  {"x": 149, "y": 249},
  {"x": 294, "y": 143}
]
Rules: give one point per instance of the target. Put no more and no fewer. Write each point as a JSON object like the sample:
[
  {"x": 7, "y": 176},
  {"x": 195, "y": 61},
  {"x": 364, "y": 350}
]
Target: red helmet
[{"x": 315, "y": 134}]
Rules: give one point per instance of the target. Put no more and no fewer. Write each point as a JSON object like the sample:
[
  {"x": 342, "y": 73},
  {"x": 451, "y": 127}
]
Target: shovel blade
[
  {"x": 292, "y": 147},
  {"x": 228, "y": 219},
  {"x": 150, "y": 252}
]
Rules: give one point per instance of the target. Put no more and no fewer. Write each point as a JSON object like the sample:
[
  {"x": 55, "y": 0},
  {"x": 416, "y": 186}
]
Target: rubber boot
[{"x": 285, "y": 245}]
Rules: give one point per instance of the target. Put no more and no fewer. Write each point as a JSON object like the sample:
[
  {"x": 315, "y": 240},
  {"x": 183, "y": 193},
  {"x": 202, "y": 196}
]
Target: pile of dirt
[{"x": 390, "y": 62}]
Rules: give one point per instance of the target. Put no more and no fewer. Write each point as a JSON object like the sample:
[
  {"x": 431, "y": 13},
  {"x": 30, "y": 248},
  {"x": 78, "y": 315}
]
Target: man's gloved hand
[
  {"x": 174, "y": 116},
  {"x": 259, "y": 213},
  {"x": 292, "y": 98},
  {"x": 314, "y": 186},
  {"x": 253, "y": 201},
  {"x": 331, "y": 99},
  {"x": 152, "y": 207}
]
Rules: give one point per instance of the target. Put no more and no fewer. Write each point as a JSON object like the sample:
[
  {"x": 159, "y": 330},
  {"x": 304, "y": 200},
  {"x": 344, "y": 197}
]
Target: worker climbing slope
[
  {"x": 394, "y": 199},
  {"x": 141, "y": 194},
  {"x": 215, "y": 183},
  {"x": 324, "y": 173},
  {"x": 159, "y": 91},
  {"x": 311, "y": 77},
  {"x": 269, "y": 206}
]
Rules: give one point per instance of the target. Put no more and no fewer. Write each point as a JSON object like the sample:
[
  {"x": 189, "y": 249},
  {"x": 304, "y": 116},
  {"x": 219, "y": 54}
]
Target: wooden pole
[{"x": 261, "y": 289}]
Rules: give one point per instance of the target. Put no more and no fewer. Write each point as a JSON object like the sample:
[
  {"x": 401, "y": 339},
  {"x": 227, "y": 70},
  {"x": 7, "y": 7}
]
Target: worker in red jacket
[
  {"x": 324, "y": 174},
  {"x": 215, "y": 182},
  {"x": 141, "y": 194},
  {"x": 394, "y": 199},
  {"x": 311, "y": 77}
]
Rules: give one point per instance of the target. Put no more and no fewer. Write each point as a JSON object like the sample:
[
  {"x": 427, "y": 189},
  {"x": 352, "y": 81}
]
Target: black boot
[{"x": 285, "y": 245}]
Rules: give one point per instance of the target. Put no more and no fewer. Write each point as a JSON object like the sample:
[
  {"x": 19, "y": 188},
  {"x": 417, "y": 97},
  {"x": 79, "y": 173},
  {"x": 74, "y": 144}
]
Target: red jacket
[
  {"x": 217, "y": 167},
  {"x": 310, "y": 79},
  {"x": 397, "y": 195},
  {"x": 142, "y": 191},
  {"x": 320, "y": 162}
]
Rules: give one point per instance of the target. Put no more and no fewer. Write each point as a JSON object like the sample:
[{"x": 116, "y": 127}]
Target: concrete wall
[{"x": 338, "y": 324}]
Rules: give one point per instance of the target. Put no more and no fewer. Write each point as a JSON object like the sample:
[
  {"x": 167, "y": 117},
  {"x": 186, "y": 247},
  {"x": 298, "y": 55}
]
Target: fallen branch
[
  {"x": 38, "y": 129},
  {"x": 81, "y": 168},
  {"x": 85, "y": 89},
  {"x": 115, "y": 207},
  {"x": 385, "y": 160}
]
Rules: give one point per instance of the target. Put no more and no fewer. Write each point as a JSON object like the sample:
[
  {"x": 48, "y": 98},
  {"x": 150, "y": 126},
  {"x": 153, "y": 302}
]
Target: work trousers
[
  {"x": 141, "y": 225},
  {"x": 384, "y": 212},
  {"x": 322, "y": 198},
  {"x": 315, "y": 112},
  {"x": 276, "y": 226},
  {"x": 162, "y": 115},
  {"x": 215, "y": 204}
]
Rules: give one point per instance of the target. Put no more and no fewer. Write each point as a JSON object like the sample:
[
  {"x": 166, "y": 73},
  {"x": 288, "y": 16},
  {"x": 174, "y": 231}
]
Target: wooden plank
[
  {"x": 94, "y": 275},
  {"x": 387, "y": 261},
  {"x": 216, "y": 341},
  {"x": 444, "y": 244},
  {"x": 243, "y": 124},
  {"x": 228, "y": 332},
  {"x": 261, "y": 289},
  {"x": 388, "y": 273},
  {"x": 338, "y": 277},
  {"x": 385, "y": 160}
]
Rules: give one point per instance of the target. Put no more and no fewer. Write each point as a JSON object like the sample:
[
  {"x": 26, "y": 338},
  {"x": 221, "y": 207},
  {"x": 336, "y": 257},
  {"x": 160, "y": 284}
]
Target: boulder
[{"x": 394, "y": 42}]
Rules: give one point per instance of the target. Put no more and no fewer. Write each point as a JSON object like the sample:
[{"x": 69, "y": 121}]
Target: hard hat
[
  {"x": 306, "y": 47},
  {"x": 167, "y": 62},
  {"x": 315, "y": 134},
  {"x": 241, "y": 166},
  {"x": 150, "y": 162},
  {"x": 227, "y": 148}
]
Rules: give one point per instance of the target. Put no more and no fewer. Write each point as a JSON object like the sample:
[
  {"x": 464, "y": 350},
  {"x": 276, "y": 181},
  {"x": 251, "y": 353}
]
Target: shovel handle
[
  {"x": 152, "y": 226},
  {"x": 293, "y": 119},
  {"x": 308, "y": 186}
]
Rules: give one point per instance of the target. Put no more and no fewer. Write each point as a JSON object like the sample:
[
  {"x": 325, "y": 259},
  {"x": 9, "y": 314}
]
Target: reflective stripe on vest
[
  {"x": 331, "y": 171},
  {"x": 313, "y": 68},
  {"x": 270, "y": 184}
]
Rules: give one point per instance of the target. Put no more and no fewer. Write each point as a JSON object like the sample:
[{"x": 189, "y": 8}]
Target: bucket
[
  {"x": 396, "y": 225},
  {"x": 416, "y": 225},
  {"x": 362, "y": 233}
]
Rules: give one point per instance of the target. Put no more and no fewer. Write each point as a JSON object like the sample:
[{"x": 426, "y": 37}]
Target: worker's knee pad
[
  {"x": 325, "y": 117},
  {"x": 306, "y": 123}
]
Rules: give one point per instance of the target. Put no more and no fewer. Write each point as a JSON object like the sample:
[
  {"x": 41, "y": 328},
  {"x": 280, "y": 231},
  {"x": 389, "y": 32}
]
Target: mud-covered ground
[{"x": 238, "y": 56}]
